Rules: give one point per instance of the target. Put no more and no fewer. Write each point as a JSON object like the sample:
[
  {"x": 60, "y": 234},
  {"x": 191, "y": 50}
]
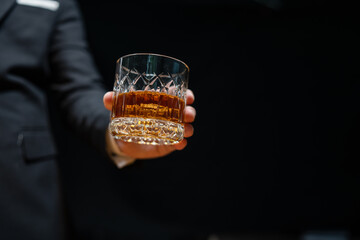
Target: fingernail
[{"x": 120, "y": 164}]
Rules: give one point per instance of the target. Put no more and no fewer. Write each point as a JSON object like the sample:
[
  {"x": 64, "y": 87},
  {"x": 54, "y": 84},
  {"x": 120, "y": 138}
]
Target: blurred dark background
[{"x": 276, "y": 139}]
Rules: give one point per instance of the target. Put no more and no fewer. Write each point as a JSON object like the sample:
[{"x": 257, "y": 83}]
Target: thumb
[{"x": 107, "y": 99}]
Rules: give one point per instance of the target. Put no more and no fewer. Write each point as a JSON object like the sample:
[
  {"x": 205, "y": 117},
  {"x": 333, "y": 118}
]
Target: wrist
[{"x": 115, "y": 154}]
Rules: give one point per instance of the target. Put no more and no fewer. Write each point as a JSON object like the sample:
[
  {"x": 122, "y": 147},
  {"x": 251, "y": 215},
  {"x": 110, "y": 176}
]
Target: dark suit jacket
[{"x": 42, "y": 52}]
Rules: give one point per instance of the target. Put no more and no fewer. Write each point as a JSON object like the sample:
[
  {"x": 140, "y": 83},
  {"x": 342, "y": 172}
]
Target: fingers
[
  {"x": 190, "y": 97},
  {"x": 190, "y": 114},
  {"x": 181, "y": 145},
  {"x": 107, "y": 99},
  {"x": 189, "y": 130}
]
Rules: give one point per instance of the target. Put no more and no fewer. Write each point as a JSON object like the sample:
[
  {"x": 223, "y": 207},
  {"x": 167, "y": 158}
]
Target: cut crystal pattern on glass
[
  {"x": 147, "y": 131},
  {"x": 132, "y": 80}
]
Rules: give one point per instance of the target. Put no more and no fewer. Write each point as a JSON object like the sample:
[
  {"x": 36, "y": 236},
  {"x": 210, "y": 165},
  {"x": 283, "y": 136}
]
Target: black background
[{"x": 277, "y": 131}]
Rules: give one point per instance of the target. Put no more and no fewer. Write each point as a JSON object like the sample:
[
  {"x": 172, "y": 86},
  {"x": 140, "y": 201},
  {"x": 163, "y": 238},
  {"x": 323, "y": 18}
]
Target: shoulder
[{"x": 67, "y": 5}]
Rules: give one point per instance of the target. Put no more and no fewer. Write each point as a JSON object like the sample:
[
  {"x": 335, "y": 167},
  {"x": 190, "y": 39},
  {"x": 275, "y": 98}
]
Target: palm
[{"x": 140, "y": 151}]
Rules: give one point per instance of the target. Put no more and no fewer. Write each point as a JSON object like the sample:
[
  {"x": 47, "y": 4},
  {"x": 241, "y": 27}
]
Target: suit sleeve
[{"x": 75, "y": 81}]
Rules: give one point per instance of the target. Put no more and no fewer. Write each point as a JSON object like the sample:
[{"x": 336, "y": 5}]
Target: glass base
[{"x": 146, "y": 131}]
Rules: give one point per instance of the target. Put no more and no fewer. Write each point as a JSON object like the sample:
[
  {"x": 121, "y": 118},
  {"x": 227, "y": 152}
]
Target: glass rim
[{"x": 155, "y": 54}]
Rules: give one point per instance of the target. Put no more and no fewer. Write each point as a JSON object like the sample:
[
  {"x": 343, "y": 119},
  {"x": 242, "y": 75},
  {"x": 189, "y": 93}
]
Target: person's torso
[{"x": 29, "y": 203}]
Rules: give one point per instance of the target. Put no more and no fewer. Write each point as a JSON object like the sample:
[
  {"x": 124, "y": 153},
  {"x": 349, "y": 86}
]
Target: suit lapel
[{"x": 5, "y": 6}]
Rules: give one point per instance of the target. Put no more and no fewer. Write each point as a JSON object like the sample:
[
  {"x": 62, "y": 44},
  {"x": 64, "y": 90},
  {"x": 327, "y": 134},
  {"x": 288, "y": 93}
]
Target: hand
[{"x": 140, "y": 151}]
